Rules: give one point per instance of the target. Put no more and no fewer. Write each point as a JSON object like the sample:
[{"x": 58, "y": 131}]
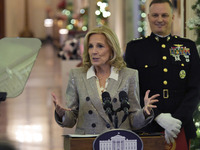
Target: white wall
[
  {"x": 37, "y": 15},
  {"x": 116, "y": 20},
  {"x": 15, "y": 16}
]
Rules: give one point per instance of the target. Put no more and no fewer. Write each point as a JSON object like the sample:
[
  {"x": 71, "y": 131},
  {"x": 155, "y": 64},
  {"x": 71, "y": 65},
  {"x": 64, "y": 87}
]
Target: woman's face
[{"x": 99, "y": 50}]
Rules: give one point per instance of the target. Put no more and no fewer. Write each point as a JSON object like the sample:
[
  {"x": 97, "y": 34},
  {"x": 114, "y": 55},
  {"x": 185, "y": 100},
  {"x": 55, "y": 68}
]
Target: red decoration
[{"x": 62, "y": 4}]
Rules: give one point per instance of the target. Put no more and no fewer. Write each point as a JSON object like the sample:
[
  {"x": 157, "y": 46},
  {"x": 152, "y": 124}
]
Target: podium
[{"x": 150, "y": 142}]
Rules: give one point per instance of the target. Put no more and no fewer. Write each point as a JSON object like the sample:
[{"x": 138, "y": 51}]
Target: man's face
[{"x": 160, "y": 18}]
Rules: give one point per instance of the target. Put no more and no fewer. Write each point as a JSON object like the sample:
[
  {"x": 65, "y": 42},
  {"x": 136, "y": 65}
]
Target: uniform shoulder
[
  {"x": 130, "y": 70},
  {"x": 78, "y": 70},
  {"x": 138, "y": 40},
  {"x": 182, "y": 39}
]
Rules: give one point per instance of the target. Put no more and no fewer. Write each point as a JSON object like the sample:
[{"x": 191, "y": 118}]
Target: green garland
[
  {"x": 195, "y": 143},
  {"x": 194, "y": 24}
]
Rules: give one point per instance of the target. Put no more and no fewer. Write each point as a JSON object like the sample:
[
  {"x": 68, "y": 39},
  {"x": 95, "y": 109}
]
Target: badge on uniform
[
  {"x": 182, "y": 74},
  {"x": 179, "y": 50}
]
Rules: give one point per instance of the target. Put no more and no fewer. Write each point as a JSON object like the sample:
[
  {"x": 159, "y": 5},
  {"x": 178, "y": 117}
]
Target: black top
[{"x": 168, "y": 66}]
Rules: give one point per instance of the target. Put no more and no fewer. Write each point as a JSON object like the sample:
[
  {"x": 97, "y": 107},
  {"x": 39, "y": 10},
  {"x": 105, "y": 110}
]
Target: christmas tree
[
  {"x": 194, "y": 24},
  {"x": 195, "y": 143}
]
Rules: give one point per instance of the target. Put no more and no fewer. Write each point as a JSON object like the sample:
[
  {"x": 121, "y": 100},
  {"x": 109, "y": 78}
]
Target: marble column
[
  {"x": 91, "y": 14},
  {"x": 116, "y": 21}
]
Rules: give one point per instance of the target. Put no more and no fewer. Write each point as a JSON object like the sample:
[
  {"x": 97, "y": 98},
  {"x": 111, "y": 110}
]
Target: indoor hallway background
[{"x": 28, "y": 120}]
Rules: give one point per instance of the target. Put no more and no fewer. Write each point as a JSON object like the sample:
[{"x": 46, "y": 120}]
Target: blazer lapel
[
  {"x": 113, "y": 86},
  {"x": 94, "y": 97}
]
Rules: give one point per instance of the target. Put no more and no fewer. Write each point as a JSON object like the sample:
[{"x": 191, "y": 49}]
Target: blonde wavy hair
[{"x": 116, "y": 60}]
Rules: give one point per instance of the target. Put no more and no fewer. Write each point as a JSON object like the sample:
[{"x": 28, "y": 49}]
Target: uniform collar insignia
[{"x": 157, "y": 39}]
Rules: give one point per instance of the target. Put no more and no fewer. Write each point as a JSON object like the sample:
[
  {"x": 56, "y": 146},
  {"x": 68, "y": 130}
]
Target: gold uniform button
[
  {"x": 164, "y": 58},
  {"x": 163, "y": 45},
  {"x": 165, "y": 70},
  {"x": 146, "y": 66},
  {"x": 182, "y": 65},
  {"x": 165, "y": 82}
]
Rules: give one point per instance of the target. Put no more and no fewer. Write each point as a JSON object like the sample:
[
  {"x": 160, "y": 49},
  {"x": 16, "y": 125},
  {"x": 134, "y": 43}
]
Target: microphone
[
  {"x": 107, "y": 105},
  {"x": 123, "y": 98}
]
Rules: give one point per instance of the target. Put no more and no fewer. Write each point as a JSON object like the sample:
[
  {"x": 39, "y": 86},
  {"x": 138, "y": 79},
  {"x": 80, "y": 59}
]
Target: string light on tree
[
  {"x": 75, "y": 22},
  {"x": 142, "y": 23},
  {"x": 102, "y": 12}
]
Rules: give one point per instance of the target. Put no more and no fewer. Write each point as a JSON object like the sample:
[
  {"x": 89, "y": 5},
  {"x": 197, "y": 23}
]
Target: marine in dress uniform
[{"x": 169, "y": 66}]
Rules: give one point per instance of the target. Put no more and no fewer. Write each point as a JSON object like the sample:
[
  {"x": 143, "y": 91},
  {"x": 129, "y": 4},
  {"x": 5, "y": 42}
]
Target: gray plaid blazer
[{"x": 87, "y": 110}]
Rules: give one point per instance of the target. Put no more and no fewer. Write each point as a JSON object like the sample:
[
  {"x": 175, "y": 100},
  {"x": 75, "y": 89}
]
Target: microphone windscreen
[
  {"x": 122, "y": 95},
  {"x": 105, "y": 95}
]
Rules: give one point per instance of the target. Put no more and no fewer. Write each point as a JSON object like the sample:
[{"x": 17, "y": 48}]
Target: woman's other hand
[
  {"x": 149, "y": 101},
  {"x": 59, "y": 109}
]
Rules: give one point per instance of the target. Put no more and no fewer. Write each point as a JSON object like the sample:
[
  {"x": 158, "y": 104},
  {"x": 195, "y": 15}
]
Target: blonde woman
[{"x": 103, "y": 70}]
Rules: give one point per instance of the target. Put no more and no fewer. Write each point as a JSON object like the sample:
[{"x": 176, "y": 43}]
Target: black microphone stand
[{"x": 116, "y": 118}]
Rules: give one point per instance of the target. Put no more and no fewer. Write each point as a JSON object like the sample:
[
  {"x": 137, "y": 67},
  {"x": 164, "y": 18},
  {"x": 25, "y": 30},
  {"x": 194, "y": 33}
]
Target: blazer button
[
  {"x": 93, "y": 125},
  {"x": 108, "y": 125},
  {"x": 87, "y": 98},
  {"x": 90, "y": 112},
  {"x": 114, "y": 100}
]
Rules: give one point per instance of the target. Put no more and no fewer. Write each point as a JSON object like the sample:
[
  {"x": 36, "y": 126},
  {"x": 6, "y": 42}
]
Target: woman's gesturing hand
[
  {"x": 59, "y": 109},
  {"x": 148, "y": 102}
]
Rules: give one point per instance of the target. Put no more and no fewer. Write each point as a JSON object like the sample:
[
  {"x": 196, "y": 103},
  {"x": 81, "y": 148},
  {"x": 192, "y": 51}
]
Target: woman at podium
[{"x": 103, "y": 94}]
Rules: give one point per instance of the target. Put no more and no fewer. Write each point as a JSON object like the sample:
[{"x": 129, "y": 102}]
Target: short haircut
[{"x": 162, "y": 1}]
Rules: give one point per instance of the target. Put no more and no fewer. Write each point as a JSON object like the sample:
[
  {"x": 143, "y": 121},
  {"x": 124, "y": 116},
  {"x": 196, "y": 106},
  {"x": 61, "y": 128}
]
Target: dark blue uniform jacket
[{"x": 170, "y": 67}]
